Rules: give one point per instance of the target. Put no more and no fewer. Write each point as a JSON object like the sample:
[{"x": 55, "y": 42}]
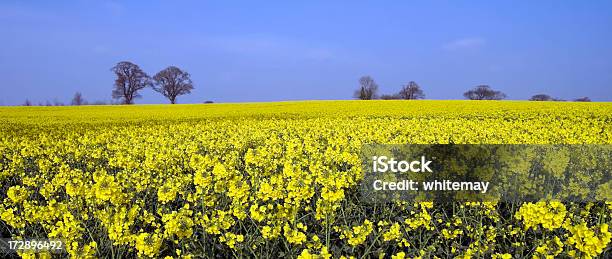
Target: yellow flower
[
  {"x": 358, "y": 234},
  {"x": 148, "y": 244},
  {"x": 393, "y": 233},
  {"x": 548, "y": 214},
  {"x": 502, "y": 256},
  {"x": 231, "y": 239},
  {"x": 105, "y": 187},
  {"x": 588, "y": 241},
  {"x": 167, "y": 192},
  {"x": 178, "y": 223},
  {"x": 293, "y": 236},
  {"x": 17, "y": 194}
]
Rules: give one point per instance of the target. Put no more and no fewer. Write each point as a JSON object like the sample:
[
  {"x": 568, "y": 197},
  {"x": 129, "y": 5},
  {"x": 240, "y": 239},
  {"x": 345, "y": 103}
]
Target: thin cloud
[{"x": 465, "y": 43}]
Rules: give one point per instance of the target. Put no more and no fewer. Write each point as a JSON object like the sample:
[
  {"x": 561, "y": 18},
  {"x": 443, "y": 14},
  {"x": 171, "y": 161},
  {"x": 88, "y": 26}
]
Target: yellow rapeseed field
[{"x": 277, "y": 180}]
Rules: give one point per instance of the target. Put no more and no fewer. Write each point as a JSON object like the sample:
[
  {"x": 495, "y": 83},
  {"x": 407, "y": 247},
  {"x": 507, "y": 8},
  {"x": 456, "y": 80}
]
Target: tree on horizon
[
  {"x": 368, "y": 89},
  {"x": 411, "y": 91},
  {"x": 172, "y": 82},
  {"x": 484, "y": 92},
  {"x": 78, "y": 99},
  {"x": 582, "y": 99},
  {"x": 541, "y": 97},
  {"x": 130, "y": 80}
]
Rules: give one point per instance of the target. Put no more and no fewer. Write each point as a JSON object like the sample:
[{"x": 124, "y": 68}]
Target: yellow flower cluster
[
  {"x": 278, "y": 180},
  {"x": 358, "y": 234},
  {"x": 590, "y": 242},
  {"x": 550, "y": 215}
]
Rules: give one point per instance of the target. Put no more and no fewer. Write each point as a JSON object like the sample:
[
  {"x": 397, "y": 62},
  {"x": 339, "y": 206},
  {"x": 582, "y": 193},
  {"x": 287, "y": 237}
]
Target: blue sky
[{"x": 242, "y": 51}]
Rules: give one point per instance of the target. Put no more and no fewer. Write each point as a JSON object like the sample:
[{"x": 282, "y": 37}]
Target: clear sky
[{"x": 242, "y": 51}]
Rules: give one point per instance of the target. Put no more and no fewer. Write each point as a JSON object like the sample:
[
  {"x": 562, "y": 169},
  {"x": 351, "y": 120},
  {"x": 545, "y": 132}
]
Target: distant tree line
[
  {"x": 171, "y": 82},
  {"x": 368, "y": 90},
  {"x": 545, "y": 97},
  {"x": 78, "y": 99}
]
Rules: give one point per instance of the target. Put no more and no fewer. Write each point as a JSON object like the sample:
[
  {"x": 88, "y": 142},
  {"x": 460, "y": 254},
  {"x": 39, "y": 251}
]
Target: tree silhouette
[
  {"x": 367, "y": 89},
  {"x": 78, "y": 99},
  {"x": 484, "y": 92},
  {"x": 541, "y": 97},
  {"x": 582, "y": 99},
  {"x": 130, "y": 80},
  {"x": 411, "y": 91},
  {"x": 172, "y": 82}
]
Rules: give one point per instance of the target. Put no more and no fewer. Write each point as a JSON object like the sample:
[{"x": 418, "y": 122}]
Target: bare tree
[
  {"x": 484, "y": 92},
  {"x": 411, "y": 91},
  {"x": 541, "y": 97},
  {"x": 130, "y": 80},
  {"x": 78, "y": 99},
  {"x": 27, "y": 103},
  {"x": 367, "y": 89},
  {"x": 582, "y": 99},
  {"x": 172, "y": 82}
]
